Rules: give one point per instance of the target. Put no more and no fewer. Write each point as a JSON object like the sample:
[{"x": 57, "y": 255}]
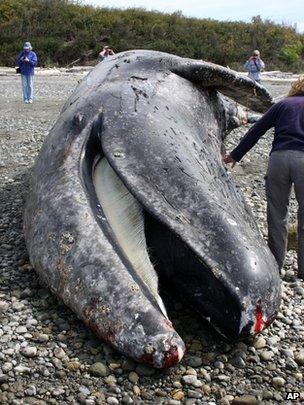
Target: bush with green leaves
[{"x": 64, "y": 32}]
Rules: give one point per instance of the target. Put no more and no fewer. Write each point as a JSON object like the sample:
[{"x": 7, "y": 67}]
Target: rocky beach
[{"x": 47, "y": 356}]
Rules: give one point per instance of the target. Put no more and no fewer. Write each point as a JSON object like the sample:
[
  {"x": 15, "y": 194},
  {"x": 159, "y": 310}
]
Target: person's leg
[
  {"x": 24, "y": 88},
  {"x": 298, "y": 178},
  {"x": 278, "y": 188},
  {"x": 30, "y": 88}
]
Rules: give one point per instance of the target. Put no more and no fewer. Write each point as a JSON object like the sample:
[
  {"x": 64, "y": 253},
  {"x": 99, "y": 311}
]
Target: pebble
[
  {"x": 112, "y": 401},
  {"x": 22, "y": 369},
  {"x": 3, "y": 306},
  {"x": 266, "y": 355},
  {"x": 178, "y": 395},
  {"x": 21, "y": 330},
  {"x": 259, "y": 342},
  {"x": 29, "y": 351},
  {"x": 59, "y": 353},
  {"x": 266, "y": 394},
  {"x": 299, "y": 357},
  {"x": 245, "y": 400},
  {"x": 73, "y": 366},
  {"x": 6, "y": 367},
  {"x": 194, "y": 361},
  {"x": 31, "y": 390},
  {"x": 278, "y": 382},
  {"x": 191, "y": 380},
  {"x": 99, "y": 370},
  {"x": 42, "y": 338},
  {"x": 238, "y": 362},
  {"x": 133, "y": 377}
]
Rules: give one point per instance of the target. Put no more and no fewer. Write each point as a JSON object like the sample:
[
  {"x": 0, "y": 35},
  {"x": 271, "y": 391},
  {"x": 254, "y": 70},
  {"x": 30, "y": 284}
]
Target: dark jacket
[
  {"x": 287, "y": 118},
  {"x": 27, "y": 68}
]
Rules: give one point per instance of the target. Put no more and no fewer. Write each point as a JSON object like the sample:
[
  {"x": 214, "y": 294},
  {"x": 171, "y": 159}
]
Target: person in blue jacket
[
  {"x": 285, "y": 168},
  {"x": 254, "y": 66},
  {"x": 27, "y": 60}
]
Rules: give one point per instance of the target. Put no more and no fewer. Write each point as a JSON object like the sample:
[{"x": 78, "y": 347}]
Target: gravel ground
[{"x": 48, "y": 356}]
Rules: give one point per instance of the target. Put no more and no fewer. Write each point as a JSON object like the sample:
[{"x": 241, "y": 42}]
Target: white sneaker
[
  {"x": 30, "y": 101},
  {"x": 26, "y": 101}
]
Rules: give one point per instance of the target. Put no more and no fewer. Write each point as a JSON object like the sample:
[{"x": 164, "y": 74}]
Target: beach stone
[
  {"x": 194, "y": 361},
  {"x": 31, "y": 390},
  {"x": 22, "y": 369},
  {"x": 29, "y": 351},
  {"x": 110, "y": 380},
  {"x": 245, "y": 400},
  {"x": 259, "y": 342},
  {"x": 191, "y": 380},
  {"x": 299, "y": 290},
  {"x": 3, "y": 379},
  {"x": 73, "y": 366},
  {"x": 59, "y": 353},
  {"x": 178, "y": 395},
  {"x": 84, "y": 390},
  {"x": 42, "y": 338},
  {"x": 127, "y": 400},
  {"x": 6, "y": 367},
  {"x": 57, "y": 392},
  {"x": 133, "y": 377},
  {"x": 99, "y": 370},
  {"x": 112, "y": 401},
  {"x": 266, "y": 394},
  {"x": 278, "y": 382},
  {"x": 299, "y": 357},
  {"x": 3, "y": 306},
  {"x": 238, "y": 362},
  {"x": 266, "y": 355},
  {"x": 194, "y": 394},
  {"x": 21, "y": 330}
]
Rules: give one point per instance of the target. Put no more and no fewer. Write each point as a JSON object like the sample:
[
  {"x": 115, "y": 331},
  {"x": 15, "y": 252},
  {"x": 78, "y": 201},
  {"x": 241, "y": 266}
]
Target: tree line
[{"x": 64, "y": 32}]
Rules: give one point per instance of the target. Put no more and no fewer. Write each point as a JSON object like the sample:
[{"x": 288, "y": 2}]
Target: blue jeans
[{"x": 27, "y": 87}]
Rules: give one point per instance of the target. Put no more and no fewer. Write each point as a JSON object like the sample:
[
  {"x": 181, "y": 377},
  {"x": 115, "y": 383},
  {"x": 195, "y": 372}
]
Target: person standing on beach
[
  {"x": 285, "y": 168},
  {"x": 106, "y": 51},
  {"x": 27, "y": 60},
  {"x": 254, "y": 66}
]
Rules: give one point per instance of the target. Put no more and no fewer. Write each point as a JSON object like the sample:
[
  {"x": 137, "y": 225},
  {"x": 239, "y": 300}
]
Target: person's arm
[
  {"x": 255, "y": 133},
  {"x": 247, "y": 65},
  {"x": 33, "y": 59},
  {"x": 261, "y": 64}
]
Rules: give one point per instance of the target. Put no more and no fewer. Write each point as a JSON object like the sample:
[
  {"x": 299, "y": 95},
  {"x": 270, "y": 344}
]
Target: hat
[
  {"x": 27, "y": 46},
  {"x": 256, "y": 52}
]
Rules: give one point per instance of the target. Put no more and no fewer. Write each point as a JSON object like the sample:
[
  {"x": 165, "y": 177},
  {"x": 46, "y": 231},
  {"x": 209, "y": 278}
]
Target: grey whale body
[{"x": 131, "y": 170}]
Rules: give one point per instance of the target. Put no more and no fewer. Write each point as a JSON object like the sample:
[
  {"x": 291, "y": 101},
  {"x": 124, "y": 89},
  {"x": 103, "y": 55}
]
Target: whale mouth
[
  {"x": 155, "y": 243},
  {"x": 155, "y": 252}
]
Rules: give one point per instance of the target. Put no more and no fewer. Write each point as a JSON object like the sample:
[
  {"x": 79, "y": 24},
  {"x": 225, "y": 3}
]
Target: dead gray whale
[{"x": 129, "y": 185}]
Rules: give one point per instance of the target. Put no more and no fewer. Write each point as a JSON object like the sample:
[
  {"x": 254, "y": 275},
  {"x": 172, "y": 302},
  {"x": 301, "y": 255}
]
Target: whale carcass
[{"x": 129, "y": 185}]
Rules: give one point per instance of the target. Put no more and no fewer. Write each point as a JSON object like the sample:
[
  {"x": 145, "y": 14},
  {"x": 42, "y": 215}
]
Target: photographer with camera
[
  {"x": 254, "y": 66},
  {"x": 27, "y": 60},
  {"x": 106, "y": 51}
]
